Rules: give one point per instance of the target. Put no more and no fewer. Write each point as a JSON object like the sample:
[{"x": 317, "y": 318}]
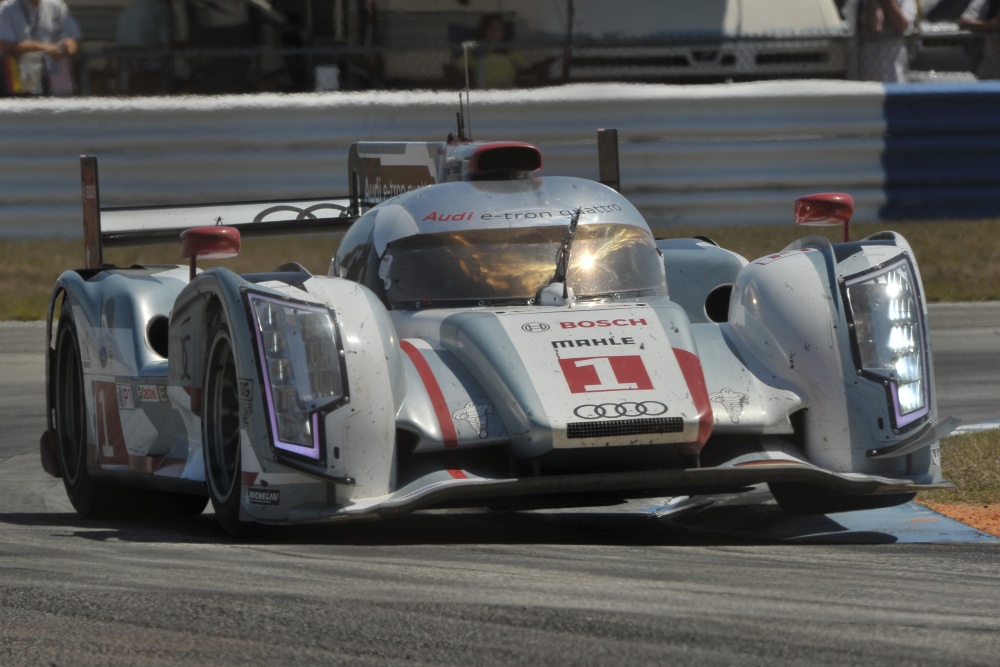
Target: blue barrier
[{"x": 941, "y": 153}]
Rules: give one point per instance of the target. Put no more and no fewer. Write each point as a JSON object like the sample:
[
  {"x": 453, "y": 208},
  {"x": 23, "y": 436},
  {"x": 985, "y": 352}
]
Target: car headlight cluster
[
  {"x": 888, "y": 336},
  {"x": 302, "y": 370}
]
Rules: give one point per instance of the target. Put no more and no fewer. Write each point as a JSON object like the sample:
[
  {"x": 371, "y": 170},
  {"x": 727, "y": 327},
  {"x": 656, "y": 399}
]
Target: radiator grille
[{"x": 608, "y": 429}]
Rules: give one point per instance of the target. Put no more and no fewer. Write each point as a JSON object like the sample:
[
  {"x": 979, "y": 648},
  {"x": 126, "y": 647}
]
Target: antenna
[{"x": 466, "y": 111}]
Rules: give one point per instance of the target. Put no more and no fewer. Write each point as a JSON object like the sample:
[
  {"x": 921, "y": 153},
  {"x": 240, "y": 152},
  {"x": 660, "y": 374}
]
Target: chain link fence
[
  {"x": 117, "y": 71},
  {"x": 411, "y": 50},
  {"x": 933, "y": 53}
]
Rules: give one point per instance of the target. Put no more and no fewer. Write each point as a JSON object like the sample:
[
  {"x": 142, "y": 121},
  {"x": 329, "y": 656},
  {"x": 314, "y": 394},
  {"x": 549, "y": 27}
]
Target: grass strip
[{"x": 971, "y": 462}]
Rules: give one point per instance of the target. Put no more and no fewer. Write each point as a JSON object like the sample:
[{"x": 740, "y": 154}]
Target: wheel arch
[
  {"x": 791, "y": 315},
  {"x": 214, "y": 293},
  {"x": 71, "y": 287},
  {"x": 358, "y": 445}
]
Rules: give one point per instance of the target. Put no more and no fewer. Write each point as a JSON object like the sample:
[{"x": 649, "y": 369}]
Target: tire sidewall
[
  {"x": 225, "y": 501},
  {"x": 79, "y": 485}
]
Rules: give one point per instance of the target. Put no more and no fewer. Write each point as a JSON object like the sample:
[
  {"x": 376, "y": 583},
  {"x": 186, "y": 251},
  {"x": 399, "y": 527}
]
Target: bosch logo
[
  {"x": 535, "y": 327},
  {"x": 617, "y": 410},
  {"x": 592, "y": 324}
]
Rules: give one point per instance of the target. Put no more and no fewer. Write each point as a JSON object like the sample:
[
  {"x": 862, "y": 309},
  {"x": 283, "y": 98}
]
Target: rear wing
[
  {"x": 126, "y": 226},
  {"x": 380, "y": 170},
  {"x": 376, "y": 171}
]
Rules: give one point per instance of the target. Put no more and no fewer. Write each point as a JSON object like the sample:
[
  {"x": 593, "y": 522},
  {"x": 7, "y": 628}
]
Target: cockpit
[
  {"x": 501, "y": 243},
  {"x": 508, "y": 266}
]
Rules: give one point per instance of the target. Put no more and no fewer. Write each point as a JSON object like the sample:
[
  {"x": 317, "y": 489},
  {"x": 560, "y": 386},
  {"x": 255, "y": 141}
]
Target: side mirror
[
  {"x": 218, "y": 242},
  {"x": 826, "y": 209}
]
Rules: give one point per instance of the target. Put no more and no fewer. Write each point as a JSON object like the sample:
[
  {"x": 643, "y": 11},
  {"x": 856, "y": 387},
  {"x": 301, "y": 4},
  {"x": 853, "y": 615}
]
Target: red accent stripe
[
  {"x": 695, "y": 379},
  {"x": 458, "y": 474},
  {"x": 448, "y": 433}
]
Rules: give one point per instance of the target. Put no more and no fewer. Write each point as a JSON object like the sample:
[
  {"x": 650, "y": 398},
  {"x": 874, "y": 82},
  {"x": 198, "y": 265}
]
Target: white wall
[{"x": 699, "y": 155}]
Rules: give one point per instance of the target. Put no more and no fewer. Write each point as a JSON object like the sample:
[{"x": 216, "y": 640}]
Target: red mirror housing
[
  {"x": 828, "y": 208},
  {"x": 218, "y": 242}
]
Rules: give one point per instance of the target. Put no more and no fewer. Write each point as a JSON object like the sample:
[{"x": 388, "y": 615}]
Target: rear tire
[
  {"x": 220, "y": 421},
  {"x": 90, "y": 499},
  {"x": 796, "y": 498}
]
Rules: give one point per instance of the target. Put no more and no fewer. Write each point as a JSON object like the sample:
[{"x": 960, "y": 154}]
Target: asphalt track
[{"x": 737, "y": 582}]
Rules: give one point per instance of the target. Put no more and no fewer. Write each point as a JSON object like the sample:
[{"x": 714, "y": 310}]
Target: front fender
[
  {"x": 791, "y": 315},
  {"x": 353, "y": 456}
]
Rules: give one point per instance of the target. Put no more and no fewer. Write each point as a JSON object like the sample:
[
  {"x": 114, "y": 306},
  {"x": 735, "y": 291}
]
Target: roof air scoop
[
  {"x": 504, "y": 160},
  {"x": 493, "y": 161}
]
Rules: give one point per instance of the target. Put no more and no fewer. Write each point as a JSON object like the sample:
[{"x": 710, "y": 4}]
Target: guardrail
[{"x": 692, "y": 155}]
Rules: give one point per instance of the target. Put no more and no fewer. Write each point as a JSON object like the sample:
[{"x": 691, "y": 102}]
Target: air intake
[
  {"x": 620, "y": 427},
  {"x": 504, "y": 160}
]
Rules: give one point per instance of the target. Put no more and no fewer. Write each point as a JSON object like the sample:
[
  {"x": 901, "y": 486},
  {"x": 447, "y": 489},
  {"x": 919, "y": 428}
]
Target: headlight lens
[
  {"x": 889, "y": 337},
  {"x": 301, "y": 367}
]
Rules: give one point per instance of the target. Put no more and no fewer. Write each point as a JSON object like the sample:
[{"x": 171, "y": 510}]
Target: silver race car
[{"x": 485, "y": 337}]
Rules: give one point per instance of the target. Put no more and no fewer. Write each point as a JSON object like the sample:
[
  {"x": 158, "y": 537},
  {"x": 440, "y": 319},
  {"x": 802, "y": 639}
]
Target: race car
[{"x": 485, "y": 337}]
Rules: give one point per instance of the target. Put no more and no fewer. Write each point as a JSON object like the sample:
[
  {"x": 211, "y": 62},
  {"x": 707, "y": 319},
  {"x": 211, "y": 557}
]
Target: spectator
[
  {"x": 43, "y": 36},
  {"x": 220, "y": 24},
  {"x": 983, "y": 17},
  {"x": 883, "y": 25},
  {"x": 144, "y": 25},
  {"x": 500, "y": 66}
]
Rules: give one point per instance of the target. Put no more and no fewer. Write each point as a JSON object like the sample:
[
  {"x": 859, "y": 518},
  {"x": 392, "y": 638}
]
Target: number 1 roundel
[{"x": 590, "y": 374}]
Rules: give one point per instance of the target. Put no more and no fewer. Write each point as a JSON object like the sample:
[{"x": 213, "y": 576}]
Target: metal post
[{"x": 607, "y": 158}]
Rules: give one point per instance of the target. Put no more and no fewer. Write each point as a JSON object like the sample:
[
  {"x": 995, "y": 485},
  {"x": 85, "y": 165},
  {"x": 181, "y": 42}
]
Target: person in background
[
  {"x": 500, "y": 66},
  {"x": 883, "y": 25},
  {"x": 221, "y": 24},
  {"x": 983, "y": 17},
  {"x": 144, "y": 25},
  {"x": 43, "y": 36}
]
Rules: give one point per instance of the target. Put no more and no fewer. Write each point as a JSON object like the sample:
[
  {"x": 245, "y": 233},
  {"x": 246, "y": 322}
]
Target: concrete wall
[{"x": 693, "y": 155}]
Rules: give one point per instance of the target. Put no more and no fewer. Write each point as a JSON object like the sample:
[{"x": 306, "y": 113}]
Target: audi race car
[{"x": 485, "y": 337}]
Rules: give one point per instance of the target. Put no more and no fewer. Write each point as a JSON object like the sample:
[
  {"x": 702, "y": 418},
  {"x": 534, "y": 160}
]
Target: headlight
[
  {"x": 303, "y": 375},
  {"x": 888, "y": 331}
]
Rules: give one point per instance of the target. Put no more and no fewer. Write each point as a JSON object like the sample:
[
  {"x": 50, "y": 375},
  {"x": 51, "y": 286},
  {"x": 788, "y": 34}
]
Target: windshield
[{"x": 505, "y": 266}]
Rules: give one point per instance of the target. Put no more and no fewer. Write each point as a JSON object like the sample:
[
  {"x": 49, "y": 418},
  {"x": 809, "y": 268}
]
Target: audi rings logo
[
  {"x": 617, "y": 410},
  {"x": 535, "y": 327}
]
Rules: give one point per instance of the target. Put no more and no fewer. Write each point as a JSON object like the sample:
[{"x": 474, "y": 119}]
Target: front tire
[{"x": 221, "y": 430}]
